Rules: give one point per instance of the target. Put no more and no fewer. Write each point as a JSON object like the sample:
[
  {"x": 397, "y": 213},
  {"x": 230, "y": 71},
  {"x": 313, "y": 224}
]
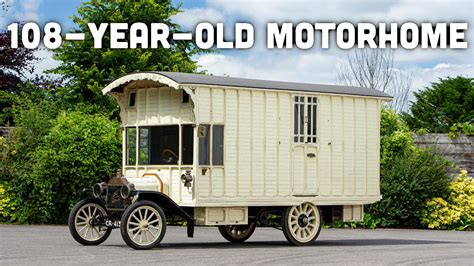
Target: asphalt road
[{"x": 46, "y": 245}]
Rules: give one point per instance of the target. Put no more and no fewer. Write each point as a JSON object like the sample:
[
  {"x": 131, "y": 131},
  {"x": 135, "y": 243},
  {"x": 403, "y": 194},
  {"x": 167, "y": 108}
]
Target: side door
[{"x": 305, "y": 146}]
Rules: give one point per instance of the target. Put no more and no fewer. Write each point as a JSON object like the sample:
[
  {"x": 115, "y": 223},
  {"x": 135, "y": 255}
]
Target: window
[
  {"x": 130, "y": 145},
  {"x": 217, "y": 145},
  {"x": 185, "y": 97},
  {"x": 131, "y": 99},
  {"x": 144, "y": 146},
  {"x": 204, "y": 147},
  {"x": 159, "y": 145},
  {"x": 305, "y": 114},
  {"x": 187, "y": 143}
]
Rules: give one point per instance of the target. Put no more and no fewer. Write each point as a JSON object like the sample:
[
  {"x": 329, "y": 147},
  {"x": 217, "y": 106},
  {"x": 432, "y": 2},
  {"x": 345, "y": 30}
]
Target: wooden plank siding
[{"x": 262, "y": 163}]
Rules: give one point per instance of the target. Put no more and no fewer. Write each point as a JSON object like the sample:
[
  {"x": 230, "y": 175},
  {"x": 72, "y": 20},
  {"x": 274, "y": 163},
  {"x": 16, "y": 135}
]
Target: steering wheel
[{"x": 172, "y": 156}]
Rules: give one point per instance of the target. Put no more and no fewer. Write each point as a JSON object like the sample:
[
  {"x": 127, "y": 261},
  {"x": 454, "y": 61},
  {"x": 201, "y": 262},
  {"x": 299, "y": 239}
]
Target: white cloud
[
  {"x": 264, "y": 11},
  {"x": 189, "y": 18},
  {"x": 29, "y": 10},
  {"x": 10, "y": 6},
  {"x": 424, "y": 76},
  {"x": 293, "y": 66}
]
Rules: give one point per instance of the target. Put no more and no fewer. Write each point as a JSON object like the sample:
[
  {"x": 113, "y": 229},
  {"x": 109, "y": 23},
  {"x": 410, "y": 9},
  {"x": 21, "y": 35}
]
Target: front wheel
[
  {"x": 143, "y": 225},
  {"x": 87, "y": 222},
  {"x": 301, "y": 224},
  {"x": 237, "y": 233}
]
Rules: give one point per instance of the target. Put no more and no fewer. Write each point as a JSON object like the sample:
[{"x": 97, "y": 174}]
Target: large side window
[
  {"x": 131, "y": 145},
  {"x": 305, "y": 122},
  {"x": 217, "y": 145},
  {"x": 159, "y": 145}
]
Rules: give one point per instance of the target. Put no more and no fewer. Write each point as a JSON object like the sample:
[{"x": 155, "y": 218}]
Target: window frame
[
  {"x": 129, "y": 97},
  {"x": 127, "y": 150},
  {"x": 211, "y": 146},
  {"x": 308, "y": 123},
  {"x": 181, "y": 146}
]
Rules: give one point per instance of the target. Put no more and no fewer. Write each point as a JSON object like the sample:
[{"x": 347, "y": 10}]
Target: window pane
[
  {"x": 314, "y": 120},
  {"x": 131, "y": 142},
  {"x": 217, "y": 145},
  {"x": 302, "y": 119},
  {"x": 296, "y": 120},
  {"x": 131, "y": 99},
  {"x": 308, "y": 130},
  {"x": 143, "y": 155},
  {"x": 204, "y": 148},
  {"x": 164, "y": 145},
  {"x": 185, "y": 97},
  {"x": 188, "y": 143}
]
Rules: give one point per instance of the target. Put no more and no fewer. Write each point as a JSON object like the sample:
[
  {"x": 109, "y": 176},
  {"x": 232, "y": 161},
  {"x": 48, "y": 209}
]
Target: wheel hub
[
  {"x": 144, "y": 225},
  {"x": 303, "y": 220}
]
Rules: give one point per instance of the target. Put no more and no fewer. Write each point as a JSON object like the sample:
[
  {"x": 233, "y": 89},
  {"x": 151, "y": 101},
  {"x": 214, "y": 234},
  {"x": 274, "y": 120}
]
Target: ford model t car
[{"x": 234, "y": 153}]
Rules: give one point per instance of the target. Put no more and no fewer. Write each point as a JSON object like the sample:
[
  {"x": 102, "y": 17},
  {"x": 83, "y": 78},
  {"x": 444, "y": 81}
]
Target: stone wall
[
  {"x": 459, "y": 151},
  {"x": 5, "y": 131}
]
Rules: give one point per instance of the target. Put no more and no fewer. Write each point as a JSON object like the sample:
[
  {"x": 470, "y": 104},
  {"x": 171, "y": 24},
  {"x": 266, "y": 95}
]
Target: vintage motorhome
[{"x": 230, "y": 152}]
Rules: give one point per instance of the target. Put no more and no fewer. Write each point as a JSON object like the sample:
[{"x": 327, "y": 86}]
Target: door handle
[{"x": 311, "y": 155}]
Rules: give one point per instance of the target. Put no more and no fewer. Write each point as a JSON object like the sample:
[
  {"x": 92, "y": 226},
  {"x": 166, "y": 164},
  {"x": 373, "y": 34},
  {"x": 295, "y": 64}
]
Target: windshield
[{"x": 159, "y": 145}]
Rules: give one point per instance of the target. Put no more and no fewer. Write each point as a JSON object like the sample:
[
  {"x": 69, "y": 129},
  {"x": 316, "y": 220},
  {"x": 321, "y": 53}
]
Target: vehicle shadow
[{"x": 285, "y": 244}]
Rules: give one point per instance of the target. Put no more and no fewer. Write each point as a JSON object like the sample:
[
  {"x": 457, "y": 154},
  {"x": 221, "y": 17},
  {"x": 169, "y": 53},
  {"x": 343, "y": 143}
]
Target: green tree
[
  {"x": 48, "y": 160},
  {"x": 408, "y": 176},
  {"x": 89, "y": 70},
  {"x": 15, "y": 65},
  {"x": 446, "y": 102}
]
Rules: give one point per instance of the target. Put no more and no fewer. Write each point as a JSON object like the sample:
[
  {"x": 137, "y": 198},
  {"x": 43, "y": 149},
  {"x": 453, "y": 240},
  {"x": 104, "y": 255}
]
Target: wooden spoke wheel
[
  {"x": 143, "y": 225},
  {"x": 237, "y": 233},
  {"x": 87, "y": 222},
  {"x": 301, "y": 224}
]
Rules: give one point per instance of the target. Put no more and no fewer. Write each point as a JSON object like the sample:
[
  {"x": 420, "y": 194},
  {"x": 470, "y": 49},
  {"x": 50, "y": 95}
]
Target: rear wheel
[
  {"x": 301, "y": 224},
  {"x": 143, "y": 225},
  {"x": 87, "y": 222},
  {"x": 237, "y": 233}
]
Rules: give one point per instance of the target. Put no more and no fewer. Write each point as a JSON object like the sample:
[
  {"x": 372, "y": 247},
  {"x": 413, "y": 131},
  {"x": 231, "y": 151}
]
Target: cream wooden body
[{"x": 262, "y": 164}]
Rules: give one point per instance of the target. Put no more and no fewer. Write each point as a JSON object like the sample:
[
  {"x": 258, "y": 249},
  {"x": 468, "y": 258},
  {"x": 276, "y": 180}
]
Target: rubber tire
[
  {"x": 72, "y": 228},
  {"x": 230, "y": 238},
  {"x": 128, "y": 212},
  {"x": 286, "y": 229}
]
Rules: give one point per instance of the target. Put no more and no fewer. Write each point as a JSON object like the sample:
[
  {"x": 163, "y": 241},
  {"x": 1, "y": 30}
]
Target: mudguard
[{"x": 166, "y": 202}]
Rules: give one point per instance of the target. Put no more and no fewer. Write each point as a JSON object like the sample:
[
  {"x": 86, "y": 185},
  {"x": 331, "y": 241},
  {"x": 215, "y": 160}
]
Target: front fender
[{"x": 167, "y": 203}]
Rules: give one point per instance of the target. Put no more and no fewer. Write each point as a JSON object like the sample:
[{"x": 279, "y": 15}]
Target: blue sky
[{"x": 314, "y": 65}]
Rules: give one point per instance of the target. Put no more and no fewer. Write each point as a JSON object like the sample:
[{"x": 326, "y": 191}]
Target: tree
[
  {"x": 15, "y": 64},
  {"x": 409, "y": 176},
  {"x": 89, "y": 69},
  {"x": 51, "y": 154},
  {"x": 446, "y": 102},
  {"x": 373, "y": 68}
]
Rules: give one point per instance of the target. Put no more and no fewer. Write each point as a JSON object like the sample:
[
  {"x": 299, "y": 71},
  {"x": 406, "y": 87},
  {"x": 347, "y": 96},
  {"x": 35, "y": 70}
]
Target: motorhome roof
[{"x": 201, "y": 79}]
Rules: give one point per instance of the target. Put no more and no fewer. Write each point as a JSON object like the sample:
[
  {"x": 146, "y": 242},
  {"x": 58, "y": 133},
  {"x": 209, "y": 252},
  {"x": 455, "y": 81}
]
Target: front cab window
[{"x": 159, "y": 145}]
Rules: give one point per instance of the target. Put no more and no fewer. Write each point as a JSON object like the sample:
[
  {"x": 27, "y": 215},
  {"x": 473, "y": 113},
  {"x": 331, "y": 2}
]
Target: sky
[{"x": 314, "y": 65}]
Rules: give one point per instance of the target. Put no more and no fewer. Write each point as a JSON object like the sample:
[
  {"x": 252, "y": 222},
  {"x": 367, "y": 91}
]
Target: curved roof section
[{"x": 200, "y": 79}]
